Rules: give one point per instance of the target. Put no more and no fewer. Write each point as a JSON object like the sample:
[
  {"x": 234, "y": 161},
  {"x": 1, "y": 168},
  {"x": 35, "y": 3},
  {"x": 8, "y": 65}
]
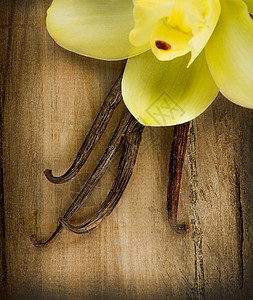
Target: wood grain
[{"x": 50, "y": 98}]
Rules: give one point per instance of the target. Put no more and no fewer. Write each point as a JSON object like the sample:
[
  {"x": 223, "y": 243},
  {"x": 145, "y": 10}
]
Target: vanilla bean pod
[
  {"x": 99, "y": 171},
  {"x": 125, "y": 169},
  {"x": 131, "y": 131},
  {"x": 111, "y": 101},
  {"x": 177, "y": 156}
]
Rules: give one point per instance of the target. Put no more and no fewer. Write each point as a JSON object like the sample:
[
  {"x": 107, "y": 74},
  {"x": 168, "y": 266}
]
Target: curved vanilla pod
[
  {"x": 109, "y": 154},
  {"x": 110, "y": 103},
  {"x": 125, "y": 169}
]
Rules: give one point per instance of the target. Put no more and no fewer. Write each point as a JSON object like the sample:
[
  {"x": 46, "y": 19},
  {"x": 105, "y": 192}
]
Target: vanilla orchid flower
[{"x": 181, "y": 52}]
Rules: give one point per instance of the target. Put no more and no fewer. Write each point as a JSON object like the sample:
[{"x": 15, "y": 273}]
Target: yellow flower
[{"x": 181, "y": 52}]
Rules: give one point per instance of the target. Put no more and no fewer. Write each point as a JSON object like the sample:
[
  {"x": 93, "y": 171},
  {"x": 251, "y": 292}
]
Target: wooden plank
[
  {"x": 51, "y": 98},
  {"x": 3, "y": 83}
]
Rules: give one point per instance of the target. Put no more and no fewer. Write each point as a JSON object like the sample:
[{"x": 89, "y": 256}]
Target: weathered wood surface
[{"x": 50, "y": 98}]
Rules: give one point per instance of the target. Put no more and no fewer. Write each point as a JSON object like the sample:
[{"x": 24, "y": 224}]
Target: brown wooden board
[{"x": 49, "y": 99}]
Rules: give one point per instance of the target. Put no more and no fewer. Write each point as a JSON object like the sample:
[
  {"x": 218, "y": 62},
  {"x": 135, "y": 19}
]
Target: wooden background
[{"x": 49, "y": 99}]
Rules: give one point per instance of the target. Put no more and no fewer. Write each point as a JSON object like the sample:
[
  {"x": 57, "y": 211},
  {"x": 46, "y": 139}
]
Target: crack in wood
[
  {"x": 241, "y": 225},
  {"x": 3, "y": 275},
  {"x": 199, "y": 280},
  {"x": 3, "y": 270},
  {"x": 4, "y": 71}
]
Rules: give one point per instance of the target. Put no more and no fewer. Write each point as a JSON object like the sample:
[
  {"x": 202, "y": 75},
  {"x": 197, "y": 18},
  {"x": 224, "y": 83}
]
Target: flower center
[{"x": 174, "y": 27}]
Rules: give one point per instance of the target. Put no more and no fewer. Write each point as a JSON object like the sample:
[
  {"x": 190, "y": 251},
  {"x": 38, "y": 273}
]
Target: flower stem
[{"x": 177, "y": 156}]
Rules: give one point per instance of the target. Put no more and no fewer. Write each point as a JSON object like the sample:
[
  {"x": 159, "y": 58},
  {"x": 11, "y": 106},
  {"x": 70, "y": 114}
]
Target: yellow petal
[
  {"x": 250, "y": 5},
  {"x": 95, "y": 28},
  {"x": 162, "y": 93},
  {"x": 147, "y": 15},
  {"x": 230, "y": 53},
  {"x": 204, "y": 30}
]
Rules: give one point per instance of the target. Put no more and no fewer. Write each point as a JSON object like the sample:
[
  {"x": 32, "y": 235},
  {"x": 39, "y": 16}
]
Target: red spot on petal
[{"x": 162, "y": 45}]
